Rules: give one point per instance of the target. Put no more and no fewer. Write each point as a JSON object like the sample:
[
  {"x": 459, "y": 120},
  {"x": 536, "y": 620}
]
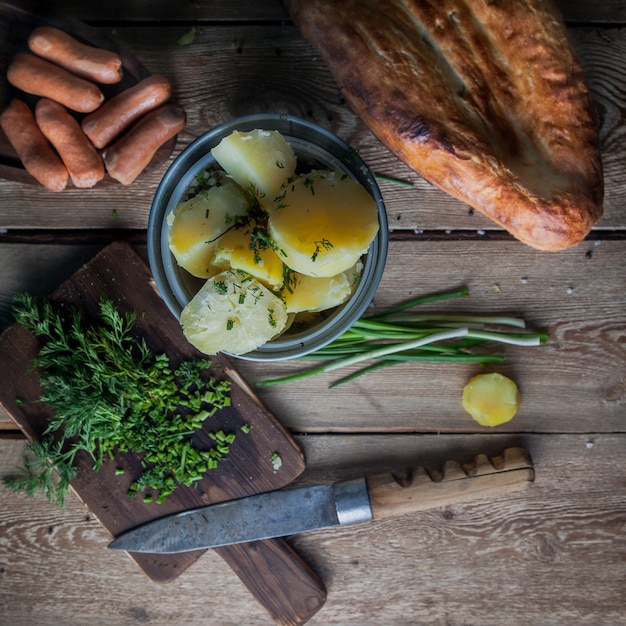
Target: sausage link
[
  {"x": 130, "y": 154},
  {"x": 32, "y": 148},
  {"x": 97, "y": 64},
  {"x": 63, "y": 131},
  {"x": 39, "y": 77},
  {"x": 117, "y": 114}
]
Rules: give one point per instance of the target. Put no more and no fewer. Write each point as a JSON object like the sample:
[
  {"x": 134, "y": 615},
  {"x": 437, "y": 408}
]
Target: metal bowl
[{"x": 314, "y": 147}]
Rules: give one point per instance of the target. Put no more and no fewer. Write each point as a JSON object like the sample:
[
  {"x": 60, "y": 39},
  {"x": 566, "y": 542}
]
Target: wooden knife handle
[
  {"x": 421, "y": 490},
  {"x": 288, "y": 589}
]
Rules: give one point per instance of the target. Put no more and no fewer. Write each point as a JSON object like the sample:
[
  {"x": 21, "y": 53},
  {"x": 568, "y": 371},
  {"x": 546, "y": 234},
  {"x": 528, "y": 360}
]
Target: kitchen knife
[{"x": 301, "y": 509}]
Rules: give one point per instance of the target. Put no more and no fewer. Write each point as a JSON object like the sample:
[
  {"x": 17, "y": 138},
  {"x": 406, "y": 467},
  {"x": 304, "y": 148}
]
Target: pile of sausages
[{"x": 119, "y": 135}]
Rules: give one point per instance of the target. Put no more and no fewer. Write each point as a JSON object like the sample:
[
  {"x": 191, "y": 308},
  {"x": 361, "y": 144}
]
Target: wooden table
[{"x": 553, "y": 555}]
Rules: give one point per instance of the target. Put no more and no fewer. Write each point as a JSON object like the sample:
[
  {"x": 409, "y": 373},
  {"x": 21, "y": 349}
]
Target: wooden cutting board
[{"x": 277, "y": 577}]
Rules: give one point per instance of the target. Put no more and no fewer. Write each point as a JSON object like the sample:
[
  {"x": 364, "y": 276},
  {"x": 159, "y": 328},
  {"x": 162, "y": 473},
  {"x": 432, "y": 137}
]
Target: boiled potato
[
  {"x": 273, "y": 246},
  {"x": 261, "y": 160},
  {"x": 233, "y": 250},
  {"x": 324, "y": 222},
  {"x": 234, "y": 313},
  {"x": 312, "y": 293},
  {"x": 491, "y": 399},
  {"x": 196, "y": 225}
]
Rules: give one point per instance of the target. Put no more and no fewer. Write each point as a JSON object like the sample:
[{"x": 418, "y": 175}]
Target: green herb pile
[
  {"x": 111, "y": 394},
  {"x": 395, "y": 336}
]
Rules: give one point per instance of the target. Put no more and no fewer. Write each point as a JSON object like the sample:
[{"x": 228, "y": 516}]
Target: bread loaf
[{"x": 484, "y": 99}]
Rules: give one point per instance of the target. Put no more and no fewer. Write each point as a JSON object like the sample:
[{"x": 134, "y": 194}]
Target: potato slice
[
  {"x": 196, "y": 224},
  {"x": 314, "y": 294},
  {"x": 491, "y": 399},
  {"x": 233, "y": 250},
  {"x": 258, "y": 159},
  {"x": 324, "y": 223},
  {"x": 233, "y": 313}
]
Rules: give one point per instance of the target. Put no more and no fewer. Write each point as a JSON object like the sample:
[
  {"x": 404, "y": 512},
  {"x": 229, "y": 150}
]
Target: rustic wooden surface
[
  {"x": 267, "y": 568},
  {"x": 553, "y": 555}
]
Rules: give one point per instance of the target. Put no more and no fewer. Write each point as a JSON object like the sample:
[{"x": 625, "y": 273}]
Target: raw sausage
[
  {"x": 130, "y": 154},
  {"x": 118, "y": 113},
  {"x": 34, "y": 151},
  {"x": 97, "y": 64},
  {"x": 63, "y": 131},
  {"x": 39, "y": 77}
]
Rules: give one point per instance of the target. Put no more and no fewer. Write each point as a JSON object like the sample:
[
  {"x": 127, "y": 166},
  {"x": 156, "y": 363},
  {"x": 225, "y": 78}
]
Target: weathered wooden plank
[
  {"x": 606, "y": 11},
  {"x": 553, "y": 554},
  {"x": 149, "y": 11},
  {"x": 270, "y": 570},
  {"x": 38, "y": 270},
  {"x": 574, "y": 383},
  {"x": 605, "y": 75},
  {"x": 237, "y": 70}
]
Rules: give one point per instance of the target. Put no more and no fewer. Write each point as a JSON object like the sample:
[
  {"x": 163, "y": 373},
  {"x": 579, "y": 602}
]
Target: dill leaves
[
  {"x": 322, "y": 244},
  {"x": 110, "y": 394},
  {"x": 254, "y": 223}
]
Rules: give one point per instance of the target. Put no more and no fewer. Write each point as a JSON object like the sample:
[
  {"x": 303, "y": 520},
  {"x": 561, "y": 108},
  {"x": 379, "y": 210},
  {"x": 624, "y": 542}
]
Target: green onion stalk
[{"x": 398, "y": 336}]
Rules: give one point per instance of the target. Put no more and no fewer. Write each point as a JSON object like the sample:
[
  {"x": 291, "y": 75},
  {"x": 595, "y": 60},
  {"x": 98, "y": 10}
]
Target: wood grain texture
[
  {"x": 551, "y": 555},
  {"x": 539, "y": 553},
  {"x": 419, "y": 489},
  {"x": 574, "y": 383},
  {"x": 288, "y": 588},
  {"x": 121, "y": 275},
  {"x": 285, "y": 75},
  {"x": 270, "y": 10}
]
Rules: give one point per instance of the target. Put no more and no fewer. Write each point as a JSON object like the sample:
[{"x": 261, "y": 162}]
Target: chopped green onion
[
  {"x": 392, "y": 179},
  {"x": 387, "y": 338}
]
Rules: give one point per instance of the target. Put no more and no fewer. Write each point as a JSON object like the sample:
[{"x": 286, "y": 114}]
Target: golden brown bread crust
[{"x": 484, "y": 99}]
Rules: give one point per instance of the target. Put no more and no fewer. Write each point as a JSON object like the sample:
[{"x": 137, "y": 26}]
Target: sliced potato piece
[
  {"x": 491, "y": 399},
  {"x": 233, "y": 250},
  {"x": 233, "y": 313},
  {"x": 324, "y": 222},
  {"x": 195, "y": 226},
  {"x": 259, "y": 159},
  {"x": 312, "y": 293}
]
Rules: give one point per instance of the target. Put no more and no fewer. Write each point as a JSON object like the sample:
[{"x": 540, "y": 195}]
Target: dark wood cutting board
[{"x": 277, "y": 577}]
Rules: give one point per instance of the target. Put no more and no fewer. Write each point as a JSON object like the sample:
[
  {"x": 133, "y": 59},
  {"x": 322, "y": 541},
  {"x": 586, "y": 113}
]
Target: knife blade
[{"x": 302, "y": 509}]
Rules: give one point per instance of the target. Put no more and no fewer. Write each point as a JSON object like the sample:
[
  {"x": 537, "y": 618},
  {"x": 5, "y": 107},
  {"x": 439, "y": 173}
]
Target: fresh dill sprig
[
  {"x": 322, "y": 244},
  {"x": 110, "y": 394},
  {"x": 254, "y": 222},
  {"x": 290, "y": 280}
]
